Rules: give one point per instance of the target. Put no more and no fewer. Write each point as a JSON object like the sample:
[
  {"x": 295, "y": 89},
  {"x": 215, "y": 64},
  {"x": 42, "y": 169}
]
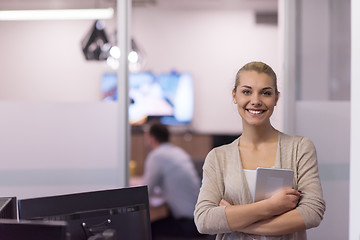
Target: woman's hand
[
  {"x": 241, "y": 217},
  {"x": 224, "y": 203},
  {"x": 283, "y": 200}
]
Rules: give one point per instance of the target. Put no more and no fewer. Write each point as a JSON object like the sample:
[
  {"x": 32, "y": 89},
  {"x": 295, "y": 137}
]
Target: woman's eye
[
  {"x": 267, "y": 93},
  {"x": 246, "y": 92}
]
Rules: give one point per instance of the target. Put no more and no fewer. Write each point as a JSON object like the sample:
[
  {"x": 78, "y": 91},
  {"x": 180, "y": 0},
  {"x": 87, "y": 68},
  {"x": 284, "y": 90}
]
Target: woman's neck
[{"x": 258, "y": 134}]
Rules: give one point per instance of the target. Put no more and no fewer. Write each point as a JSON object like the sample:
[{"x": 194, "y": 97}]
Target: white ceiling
[{"x": 257, "y": 5}]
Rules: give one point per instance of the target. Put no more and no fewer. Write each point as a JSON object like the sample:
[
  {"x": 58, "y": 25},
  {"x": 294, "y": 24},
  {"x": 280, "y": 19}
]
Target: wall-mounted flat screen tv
[{"x": 167, "y": 97}]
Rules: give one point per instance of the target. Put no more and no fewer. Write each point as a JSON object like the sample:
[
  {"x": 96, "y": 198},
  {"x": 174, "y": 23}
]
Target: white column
[
  {"x": 354, "y": 230},
  {"x": 287, "y": 31},
  {"x": 123, "y": 39}
]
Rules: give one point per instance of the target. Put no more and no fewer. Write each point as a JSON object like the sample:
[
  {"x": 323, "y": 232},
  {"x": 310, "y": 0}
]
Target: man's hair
[{"x": 159, "y": 132}]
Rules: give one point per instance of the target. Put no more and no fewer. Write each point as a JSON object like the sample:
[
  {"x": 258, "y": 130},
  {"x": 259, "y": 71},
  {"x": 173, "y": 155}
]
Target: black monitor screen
[
  {"x": 118, "y": 213},
  {"x": 8, "y": 208},
  {"x": 32, "y": 230}
]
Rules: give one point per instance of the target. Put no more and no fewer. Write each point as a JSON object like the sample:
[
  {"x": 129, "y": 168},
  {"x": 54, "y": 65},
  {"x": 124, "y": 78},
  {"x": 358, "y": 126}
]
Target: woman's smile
[{"x": 255, "y": 112}]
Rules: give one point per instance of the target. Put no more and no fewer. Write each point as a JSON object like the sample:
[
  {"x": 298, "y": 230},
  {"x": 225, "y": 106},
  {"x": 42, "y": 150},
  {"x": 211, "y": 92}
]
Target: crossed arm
[{"x": 274, "y": 216}]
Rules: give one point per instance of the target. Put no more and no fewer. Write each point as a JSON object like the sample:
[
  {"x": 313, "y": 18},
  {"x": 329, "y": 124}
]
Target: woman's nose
[
  {"x": 256, "y": 104},
  {"x": 255, "y": 100}
]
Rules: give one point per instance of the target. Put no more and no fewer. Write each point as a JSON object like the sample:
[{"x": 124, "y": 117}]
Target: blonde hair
[{"x": 258, "y": 67}]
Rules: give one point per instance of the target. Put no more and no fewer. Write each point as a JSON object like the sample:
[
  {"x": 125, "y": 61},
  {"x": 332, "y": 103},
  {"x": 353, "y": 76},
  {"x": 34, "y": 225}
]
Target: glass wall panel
[
  {"x": 322, "y": 101},
  {"x": 323, "y": 50}
]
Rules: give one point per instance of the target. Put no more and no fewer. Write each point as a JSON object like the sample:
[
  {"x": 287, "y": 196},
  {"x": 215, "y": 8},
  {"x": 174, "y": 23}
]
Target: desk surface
[{"x": 136, "y": 181}]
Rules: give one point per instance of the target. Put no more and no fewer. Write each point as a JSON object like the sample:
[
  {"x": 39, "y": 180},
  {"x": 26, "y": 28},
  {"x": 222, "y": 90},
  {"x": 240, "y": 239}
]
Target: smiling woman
[
  {"x": 256, "y": 95},
  {"x": 225, "y": 206}
]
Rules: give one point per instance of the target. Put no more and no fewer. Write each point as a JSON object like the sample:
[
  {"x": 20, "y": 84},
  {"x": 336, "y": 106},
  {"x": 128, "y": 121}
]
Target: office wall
[
  {"x": 42, "y": 60},
  {"x": 51, "y": 148},
  {"x": 44, "y": 74},
  {"x": 212, "y": 45},
  {"x": 56, "y": 136}
]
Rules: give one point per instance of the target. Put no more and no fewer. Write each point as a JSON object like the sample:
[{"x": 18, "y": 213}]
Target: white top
[{"x": 251, "y": 178}]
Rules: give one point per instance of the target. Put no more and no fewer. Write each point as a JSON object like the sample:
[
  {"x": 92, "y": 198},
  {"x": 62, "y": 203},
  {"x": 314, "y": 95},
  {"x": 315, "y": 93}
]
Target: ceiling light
[
  {"x": 95, "y": 44},
  {"x": 133, "y": 57},
  {"x": 59, "y": 14},
  {"x": 136, "y": 57},
  {"x": 115, "y": 52}
]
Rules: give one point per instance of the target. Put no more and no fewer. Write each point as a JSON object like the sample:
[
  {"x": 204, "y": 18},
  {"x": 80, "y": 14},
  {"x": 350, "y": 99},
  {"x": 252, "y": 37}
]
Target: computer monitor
[
  {"x": 8, "y": 208},
  {"x": 32, "y": 230},
  {"x": 122, "y": 213}
]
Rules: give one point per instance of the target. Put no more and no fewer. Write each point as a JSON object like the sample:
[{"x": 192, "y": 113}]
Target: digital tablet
[{"x": 269, "y": 180}]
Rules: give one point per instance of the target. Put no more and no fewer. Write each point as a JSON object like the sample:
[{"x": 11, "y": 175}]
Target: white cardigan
[{"x": 224, "y": 178}]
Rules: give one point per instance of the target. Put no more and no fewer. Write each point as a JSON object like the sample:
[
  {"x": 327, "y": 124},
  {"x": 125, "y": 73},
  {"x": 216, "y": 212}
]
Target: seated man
[{"x": 171, "y": 176}]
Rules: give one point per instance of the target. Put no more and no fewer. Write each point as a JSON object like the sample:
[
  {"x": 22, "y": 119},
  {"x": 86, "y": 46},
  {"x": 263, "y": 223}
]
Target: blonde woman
[{"x": 225, "y": 206}]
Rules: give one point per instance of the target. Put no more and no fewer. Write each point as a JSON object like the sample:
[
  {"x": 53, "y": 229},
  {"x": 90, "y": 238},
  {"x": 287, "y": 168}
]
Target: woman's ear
[
  {"x": 233, "y": 95},
  {"x": 277, "y": 97}
]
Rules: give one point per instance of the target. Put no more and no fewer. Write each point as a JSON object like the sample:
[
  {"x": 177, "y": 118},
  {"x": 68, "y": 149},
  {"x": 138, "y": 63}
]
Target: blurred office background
[{"x": 58, "y": 135}]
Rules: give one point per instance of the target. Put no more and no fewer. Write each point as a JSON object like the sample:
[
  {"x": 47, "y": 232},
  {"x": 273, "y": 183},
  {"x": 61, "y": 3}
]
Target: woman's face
[{"x": 255, "y": 97}]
